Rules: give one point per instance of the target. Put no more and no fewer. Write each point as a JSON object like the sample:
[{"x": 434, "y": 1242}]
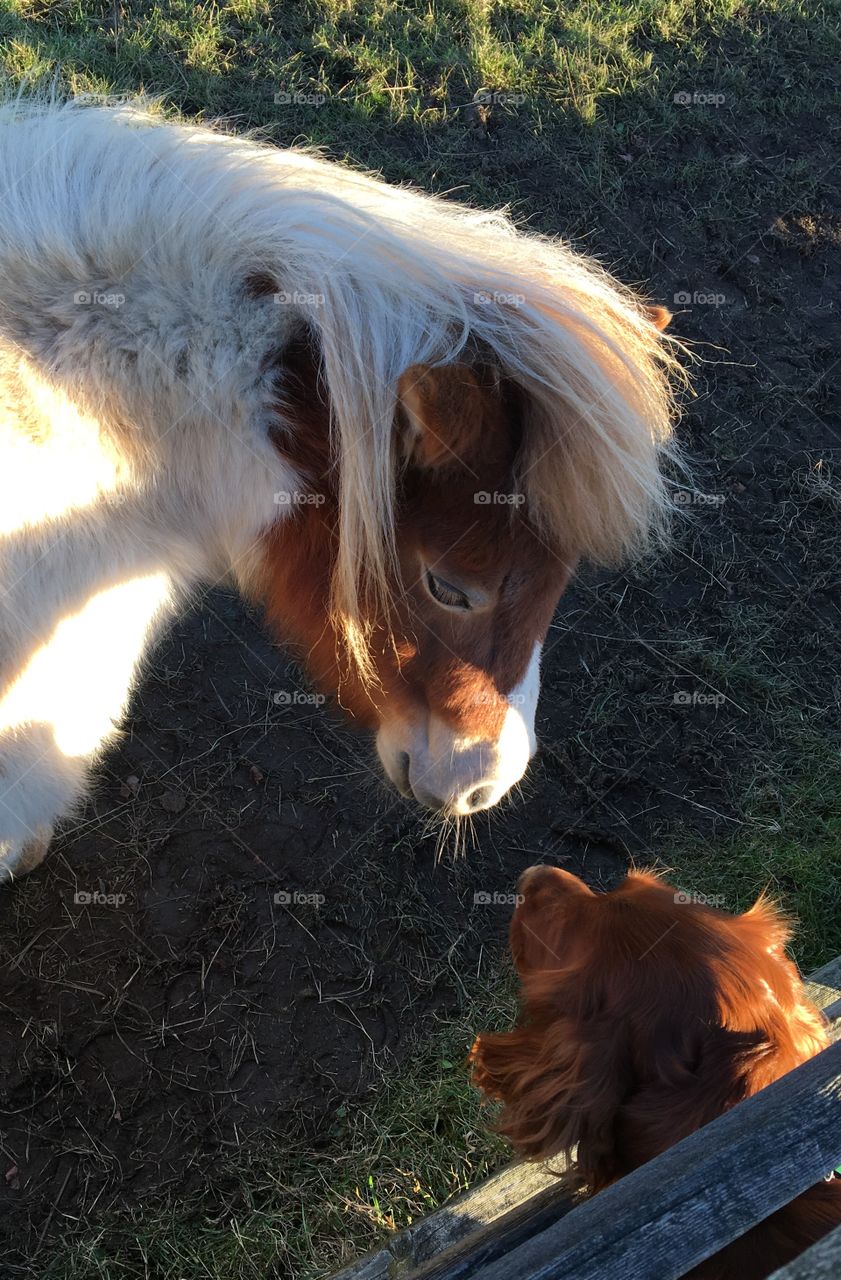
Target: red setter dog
[{"x": 645, "y": 1016}]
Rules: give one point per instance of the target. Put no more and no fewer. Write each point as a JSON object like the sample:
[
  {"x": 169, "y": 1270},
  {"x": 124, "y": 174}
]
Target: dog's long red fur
[{"x": 645, "y": 1016}]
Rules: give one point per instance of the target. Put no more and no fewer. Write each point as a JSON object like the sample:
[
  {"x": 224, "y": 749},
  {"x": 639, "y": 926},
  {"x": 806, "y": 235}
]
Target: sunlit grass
[{"x": 789, "y": 844}]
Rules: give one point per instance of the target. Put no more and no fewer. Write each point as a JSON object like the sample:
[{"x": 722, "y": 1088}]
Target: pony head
[
  {"x": 454, "y": 685},
  {"x": 469, "y": 411}
]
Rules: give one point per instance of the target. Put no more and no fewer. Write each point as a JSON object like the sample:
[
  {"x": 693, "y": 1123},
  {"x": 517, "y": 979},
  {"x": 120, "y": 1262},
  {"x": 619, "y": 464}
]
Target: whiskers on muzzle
[{"x": 455, "y": 835}]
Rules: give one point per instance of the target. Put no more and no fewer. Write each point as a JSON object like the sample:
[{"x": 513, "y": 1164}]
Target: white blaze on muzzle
[{"x": 446, "y": 771}]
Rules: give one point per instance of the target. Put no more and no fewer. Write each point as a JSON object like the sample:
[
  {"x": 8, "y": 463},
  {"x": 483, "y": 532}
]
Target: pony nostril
[{"x": 479, "y": 798}]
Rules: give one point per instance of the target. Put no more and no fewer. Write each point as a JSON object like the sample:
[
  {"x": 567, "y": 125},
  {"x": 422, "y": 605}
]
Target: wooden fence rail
[{"x": 821, "y": 1262}]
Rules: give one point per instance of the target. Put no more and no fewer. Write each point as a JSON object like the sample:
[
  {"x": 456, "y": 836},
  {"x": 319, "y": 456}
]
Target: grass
[
  {"x": 392, "y": 84},
  {"x": 789, "y": 844},
  {"x": 584, "y": 136},
  {"x": 305, "y": 1211}
]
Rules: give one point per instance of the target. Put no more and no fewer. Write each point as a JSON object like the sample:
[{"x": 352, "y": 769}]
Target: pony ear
[
  {"x": 660, "y": 317},
  {"x": 443, "y": 410}
]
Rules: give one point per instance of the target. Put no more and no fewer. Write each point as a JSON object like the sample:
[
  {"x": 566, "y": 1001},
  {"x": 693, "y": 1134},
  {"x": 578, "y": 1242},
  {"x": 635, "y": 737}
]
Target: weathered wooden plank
[
  {"x": 829, "y": 975},
  {"x": 823, "y": 987},
  {"x": 821, "y": 1262},
  {"x": 701, "y": 1194},
  {"x": 466, "y": 1258},
  {"x": 516, "y": 1192}
]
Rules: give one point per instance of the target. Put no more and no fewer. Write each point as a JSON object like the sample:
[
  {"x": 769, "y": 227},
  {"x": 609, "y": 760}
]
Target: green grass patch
[
  {"x": 789, "y": 844},
  {"x": 390, "y": 84}
]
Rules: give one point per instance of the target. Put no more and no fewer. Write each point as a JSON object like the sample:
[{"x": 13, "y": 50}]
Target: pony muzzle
[{"x": 450, "y": 773}]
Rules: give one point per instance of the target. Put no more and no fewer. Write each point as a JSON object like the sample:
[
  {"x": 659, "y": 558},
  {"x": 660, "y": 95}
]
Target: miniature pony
[{"x": 395, "y": 422}]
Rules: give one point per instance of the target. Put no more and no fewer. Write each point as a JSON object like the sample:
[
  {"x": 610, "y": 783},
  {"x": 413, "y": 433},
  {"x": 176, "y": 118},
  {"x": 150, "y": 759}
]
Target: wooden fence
[{"x": 659, "y": 1221}]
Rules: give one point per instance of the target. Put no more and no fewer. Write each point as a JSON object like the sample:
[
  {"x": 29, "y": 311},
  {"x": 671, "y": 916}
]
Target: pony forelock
[{"x": 416, "y": 279}]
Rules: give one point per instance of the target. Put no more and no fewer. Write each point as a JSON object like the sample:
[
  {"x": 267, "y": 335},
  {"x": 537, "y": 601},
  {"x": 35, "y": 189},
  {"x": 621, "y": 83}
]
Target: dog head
[{"x": 644, "y": 1014}]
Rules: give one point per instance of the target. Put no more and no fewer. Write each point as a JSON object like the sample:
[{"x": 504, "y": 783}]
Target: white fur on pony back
[
  {"x": 134, "y": 457},
  {"x": 136, "y": 380}
]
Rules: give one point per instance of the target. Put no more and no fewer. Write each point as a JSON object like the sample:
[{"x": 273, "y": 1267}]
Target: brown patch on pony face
[
  {"x": 470, "y": 562},
  {"x": 477, "y": 590}
]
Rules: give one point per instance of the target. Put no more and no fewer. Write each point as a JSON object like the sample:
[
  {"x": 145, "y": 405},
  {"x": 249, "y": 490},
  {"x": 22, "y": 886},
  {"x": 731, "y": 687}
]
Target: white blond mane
[{"x": 387, "y": 278}]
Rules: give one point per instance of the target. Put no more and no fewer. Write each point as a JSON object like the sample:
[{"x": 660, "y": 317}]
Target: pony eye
[{"x": 445, "y": 593}]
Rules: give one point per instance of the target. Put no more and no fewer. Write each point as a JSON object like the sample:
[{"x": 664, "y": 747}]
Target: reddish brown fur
[
  {"x": 643, "y": 1018},
  {"x": 459, "y": 426}
]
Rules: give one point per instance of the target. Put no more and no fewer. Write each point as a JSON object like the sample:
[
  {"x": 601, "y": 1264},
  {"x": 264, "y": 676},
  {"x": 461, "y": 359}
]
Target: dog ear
[
  {"x": 444, "y": 412},
  {"x": 696, "y": 1073},
  {"x": 770, "y": 923},
  {"x": 559, "y": 1090}
]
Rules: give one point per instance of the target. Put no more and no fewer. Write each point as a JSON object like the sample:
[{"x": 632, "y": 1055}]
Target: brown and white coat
[{"x": 397, "y": 422}]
